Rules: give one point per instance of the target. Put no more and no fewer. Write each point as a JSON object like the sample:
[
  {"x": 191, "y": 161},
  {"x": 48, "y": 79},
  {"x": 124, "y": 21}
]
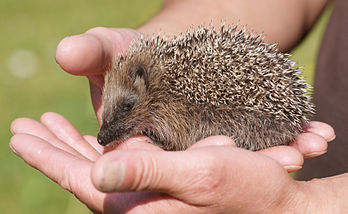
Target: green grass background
[{"x": 37, "y": 26}]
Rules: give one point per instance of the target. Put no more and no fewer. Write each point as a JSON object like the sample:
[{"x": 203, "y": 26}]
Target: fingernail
[
  {"x": 113, "y": 177},
  {"x": 12, "y": 132},
  {"x": 13, "y": 150},
  {"x": 314, "y": 154},
  {"x": 331, "y": 139},
  {"x": 292, "y": 168}
]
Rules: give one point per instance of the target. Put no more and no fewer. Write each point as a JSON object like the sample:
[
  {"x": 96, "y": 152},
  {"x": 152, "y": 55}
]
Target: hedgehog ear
[{"x": 140, "y": 77}]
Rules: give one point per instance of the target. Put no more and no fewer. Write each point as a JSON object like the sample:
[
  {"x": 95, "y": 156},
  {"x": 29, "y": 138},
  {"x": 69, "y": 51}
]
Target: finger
[
  {"x": 185, "y": 175},
  {"x": 322, "y": 129},
  {"x": 218, "y": 140},
  {"x": 69, "y": 171},
  {"x": 73, "y": 174},
  {"x": 35, "y": 128},
  {"x": 92, "y": 52},
  {"x": 67, "y": 133},
  {"x": 92, "y": 140},
  {"x": 288, "y": 157},
  {"x": 96, "y": 95},
  {"x": 190, "y": 176},
  {"x": 136, "y": 142},
  {"x": 122, "y": 170},
  {"x": 83, "y": 53},
  {"x": 310, "y": 145}
]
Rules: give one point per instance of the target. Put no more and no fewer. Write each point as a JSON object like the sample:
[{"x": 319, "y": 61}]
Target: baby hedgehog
[{"x": 206, "y": 82}]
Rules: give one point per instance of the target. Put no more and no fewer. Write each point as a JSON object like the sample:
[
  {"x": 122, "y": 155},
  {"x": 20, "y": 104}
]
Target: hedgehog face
[{"x": 125, "y": 111}]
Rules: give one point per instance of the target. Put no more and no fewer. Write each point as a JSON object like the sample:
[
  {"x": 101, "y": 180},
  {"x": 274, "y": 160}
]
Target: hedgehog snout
[
  {"x": 101, "y": 140},
  {"x": 116, "y": 130},
  {"x": 108, "y": 133},
  {"x": 105, "y": 137}
]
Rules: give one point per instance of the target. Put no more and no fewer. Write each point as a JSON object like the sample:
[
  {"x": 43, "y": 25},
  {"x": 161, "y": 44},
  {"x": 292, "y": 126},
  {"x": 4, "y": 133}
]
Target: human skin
[
  {"x": 213, "y": 176},
  {"x": 61, "y": 153}
]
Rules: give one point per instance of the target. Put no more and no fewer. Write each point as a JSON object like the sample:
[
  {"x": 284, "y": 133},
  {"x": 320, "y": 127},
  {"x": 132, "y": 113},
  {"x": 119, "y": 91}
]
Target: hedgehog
[{"x": 201, "y": 83}]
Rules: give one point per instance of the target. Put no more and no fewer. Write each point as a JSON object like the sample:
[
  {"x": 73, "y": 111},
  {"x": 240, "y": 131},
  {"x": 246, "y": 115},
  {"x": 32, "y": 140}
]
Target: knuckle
[
  {"x": 98, "y": 30},
  {"x": 209, "y": 174},
  {"x": 111, "y": 37},
  {"x": 147, "y": 175},
  {"x": 106, "y": 32},
  {"x": 66, "y": 180}
]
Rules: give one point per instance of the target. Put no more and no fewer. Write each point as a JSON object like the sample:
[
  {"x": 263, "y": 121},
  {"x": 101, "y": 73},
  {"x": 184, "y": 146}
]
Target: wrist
[
  {"x": 314, "y": 196},
  {"x": 293, "y": 199},
  {"x": 327, "y": 195}
]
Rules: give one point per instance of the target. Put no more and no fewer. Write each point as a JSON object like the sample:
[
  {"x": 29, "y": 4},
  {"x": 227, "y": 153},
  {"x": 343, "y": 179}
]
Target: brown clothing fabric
[{"x": 331, "y": 96}]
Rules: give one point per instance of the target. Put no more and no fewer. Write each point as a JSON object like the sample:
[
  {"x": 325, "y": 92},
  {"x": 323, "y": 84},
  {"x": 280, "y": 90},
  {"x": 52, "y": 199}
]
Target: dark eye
[{"x": 128, "y": 105}]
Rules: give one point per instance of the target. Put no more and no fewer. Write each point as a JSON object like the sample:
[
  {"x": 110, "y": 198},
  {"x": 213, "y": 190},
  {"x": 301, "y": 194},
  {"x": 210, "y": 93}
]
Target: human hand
[
  {"x": 56, "y": 148},
  {"x": 90, "y": 54}
]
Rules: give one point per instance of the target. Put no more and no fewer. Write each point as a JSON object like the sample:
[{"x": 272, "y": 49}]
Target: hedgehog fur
[{"x": 205, "y": 82}]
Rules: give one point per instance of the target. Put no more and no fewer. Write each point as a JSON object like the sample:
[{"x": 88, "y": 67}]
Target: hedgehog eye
[
  {"x": 128, "y": 105},
  {"x": 140, "y": 76}
]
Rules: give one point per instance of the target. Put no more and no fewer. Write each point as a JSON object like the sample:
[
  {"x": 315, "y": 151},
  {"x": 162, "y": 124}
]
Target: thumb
[
  {"x": 178, "y": 174},
  {"x": 92, "y": 52}
]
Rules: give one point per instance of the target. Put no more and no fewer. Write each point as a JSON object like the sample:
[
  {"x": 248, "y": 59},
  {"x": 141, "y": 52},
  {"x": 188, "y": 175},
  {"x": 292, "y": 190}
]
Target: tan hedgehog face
[{"x": 124, "y": 109}]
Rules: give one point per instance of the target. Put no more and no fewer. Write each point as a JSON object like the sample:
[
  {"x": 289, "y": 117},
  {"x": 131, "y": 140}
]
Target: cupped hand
[
  {"x": 168, "y": 181},
  {"x": 55, "y": 147}
]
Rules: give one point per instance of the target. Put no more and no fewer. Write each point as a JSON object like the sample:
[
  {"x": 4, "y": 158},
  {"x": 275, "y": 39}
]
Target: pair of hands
[{"x": 137, "y": 177}]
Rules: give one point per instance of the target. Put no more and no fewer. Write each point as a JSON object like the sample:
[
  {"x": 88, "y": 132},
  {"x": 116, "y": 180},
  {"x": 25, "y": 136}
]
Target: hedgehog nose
[{"x": 100, "y": 140}]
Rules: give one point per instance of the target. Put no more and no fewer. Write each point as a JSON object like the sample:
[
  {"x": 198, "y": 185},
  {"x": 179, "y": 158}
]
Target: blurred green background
[{"x": 32, "y": 83}]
